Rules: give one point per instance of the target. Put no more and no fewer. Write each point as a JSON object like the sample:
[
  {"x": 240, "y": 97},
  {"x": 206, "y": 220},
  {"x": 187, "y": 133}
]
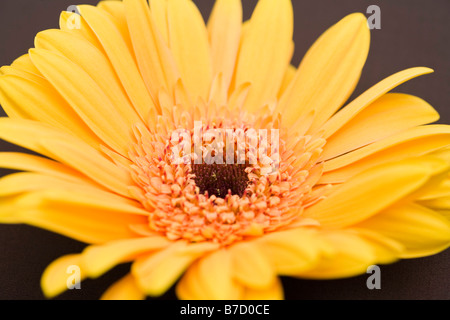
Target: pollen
[
  {"x": 221, "y": 179},
  {"x": 251, "y": 188}
]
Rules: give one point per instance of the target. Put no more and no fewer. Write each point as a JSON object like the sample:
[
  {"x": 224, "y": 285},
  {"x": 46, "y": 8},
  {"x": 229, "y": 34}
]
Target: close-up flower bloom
[{"x": 105, "y": 100}]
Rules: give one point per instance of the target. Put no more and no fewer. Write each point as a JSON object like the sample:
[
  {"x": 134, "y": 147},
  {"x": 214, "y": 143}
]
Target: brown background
[{"x": 413, "y": 33}]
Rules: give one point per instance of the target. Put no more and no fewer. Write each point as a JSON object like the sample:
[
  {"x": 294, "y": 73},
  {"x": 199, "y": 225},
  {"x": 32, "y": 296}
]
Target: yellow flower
[{"x": 102, "y": 98}]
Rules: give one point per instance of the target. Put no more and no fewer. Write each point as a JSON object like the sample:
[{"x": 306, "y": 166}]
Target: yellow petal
[
  {"x": 274, "y": 292},
  {"x": 67, "y": 149},
  {"x": 9, "y": 70},
  {"x": 159, "y": 13},
  {"x": 265, "y": 52},
  {"x": 76, "y": 25},
  {"x": 251, "y": 266},
  {"x": 411, "y": 143},
  {"x": 210, "y": 278},
  {"x": 439, "y": 203},
  {"x": 239, "y": 96},
  {"x": 124, "y": 289},
  {"x": 117, "y": 11},
  {"x": 55, "y": 277},
  {"x": 85, "y": 97},
  {"x": 352, "y": 255},
  {"x": 329, "y": 72},
  {"x": 218, "y": 94},
  {"x": 390, "y": 114},
  {"x": 142, "y": 230},
  {"x": 26, "y": 181},
  {"x": 439, "y": 190},
  {"x": 96, "y": 65},
  {"x": 369, "y": 192},
  {"x": 422, "y": 231},
  {"x": 88, "y": 192},
  {"x": 444, "y": 213},
  {"x": 114, "y": 8},
  {"x": 114, "y": 177},
  {"x": 83, "y": 217},
  {"x": 24, "y": 63},
  {"x": 443, "y": 153},
  {"x": 224, "y": 28},
  {"x": 440, "y": 169},
  {"x": 9, "y": 107},
  {"x": 189, "y": 43},
  {"x": 155, "y": 61},
  {"x": 121, "y": 59},
  {"x": 182, "y": 96},
  {"x": 384, "y": 248},
  {"x": 32, "y": 97},
  {"x": 157, "y": 272},
  {"x": 364, "y": 100},
  {"x": 27, "y": 162},
  {"x": 98, "y": 259},
  {"x": 9, "y": 208},
  {"x": 292, "y": 251},
  {"x": 289, "y": 75}
]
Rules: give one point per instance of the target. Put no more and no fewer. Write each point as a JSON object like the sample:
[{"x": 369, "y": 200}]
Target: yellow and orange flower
[{"x": 362, "y": 185}]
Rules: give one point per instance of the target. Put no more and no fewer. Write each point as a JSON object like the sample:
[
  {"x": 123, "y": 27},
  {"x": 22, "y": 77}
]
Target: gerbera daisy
[{"x": 112, "y": 103}]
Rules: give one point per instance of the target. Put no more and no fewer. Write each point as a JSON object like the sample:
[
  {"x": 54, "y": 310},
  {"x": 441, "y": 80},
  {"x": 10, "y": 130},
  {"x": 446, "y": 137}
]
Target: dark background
[{"x": 413, "y": 33}]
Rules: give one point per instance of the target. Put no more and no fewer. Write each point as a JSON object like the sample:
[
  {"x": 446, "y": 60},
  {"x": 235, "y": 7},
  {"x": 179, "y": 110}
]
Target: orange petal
[{"x": 124, "y": 289}]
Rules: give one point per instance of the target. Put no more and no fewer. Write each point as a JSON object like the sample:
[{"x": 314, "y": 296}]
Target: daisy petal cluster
[{"x": 303, "y": 184}]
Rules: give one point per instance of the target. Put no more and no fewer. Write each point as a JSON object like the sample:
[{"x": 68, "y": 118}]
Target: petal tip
[
  {"x": 428, "y": 70},
  {"x": 356, "y": 18}
]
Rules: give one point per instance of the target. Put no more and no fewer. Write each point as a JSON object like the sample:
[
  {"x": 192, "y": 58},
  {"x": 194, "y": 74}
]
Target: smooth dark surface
[{"x": 413, "y": 33}]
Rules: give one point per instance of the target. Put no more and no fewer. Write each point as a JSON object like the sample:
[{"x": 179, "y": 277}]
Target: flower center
[
  {"x": 221, "y": 179},
  {"x": 260, "y": 190}
]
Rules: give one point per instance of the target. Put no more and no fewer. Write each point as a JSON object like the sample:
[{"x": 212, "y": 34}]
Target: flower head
[{"x": 199, "y": 154}]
